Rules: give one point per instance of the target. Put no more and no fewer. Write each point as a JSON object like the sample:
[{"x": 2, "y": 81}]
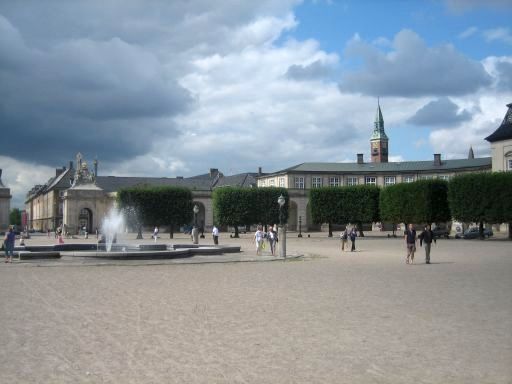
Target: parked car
[
  {"x": 473, "y": 233},
  {"x": 441, "y": 232}
]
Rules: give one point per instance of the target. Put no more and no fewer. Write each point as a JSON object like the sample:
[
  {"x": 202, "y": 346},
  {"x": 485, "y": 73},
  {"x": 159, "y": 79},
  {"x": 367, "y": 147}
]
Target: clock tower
[{"x": 379, "y": 140}]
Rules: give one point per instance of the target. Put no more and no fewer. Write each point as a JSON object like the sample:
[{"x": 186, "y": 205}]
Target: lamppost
[
  {"x": 281, "y": 232},
  {"x": 300, "y": 226},
  {"x": 195, "y": 230}
]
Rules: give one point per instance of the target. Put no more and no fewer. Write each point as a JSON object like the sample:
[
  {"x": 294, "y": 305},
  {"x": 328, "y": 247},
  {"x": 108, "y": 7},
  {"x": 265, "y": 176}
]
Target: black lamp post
[
  {"x": 195, "y": 230},
  {"x": 300, "y": 226},
  {"x": 282, "y": 227}
]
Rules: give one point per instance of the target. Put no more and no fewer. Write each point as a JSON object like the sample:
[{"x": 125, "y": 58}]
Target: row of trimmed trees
[
  {"x": 482, "y": 197},
  {"x": 172, "y": 206}
]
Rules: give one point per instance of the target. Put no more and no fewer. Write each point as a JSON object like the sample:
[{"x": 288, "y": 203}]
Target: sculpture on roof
[{"x": 82, "y": 173}]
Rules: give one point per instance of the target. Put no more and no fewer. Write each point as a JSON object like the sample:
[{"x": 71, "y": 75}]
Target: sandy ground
[{"x": 362, "y": 317}]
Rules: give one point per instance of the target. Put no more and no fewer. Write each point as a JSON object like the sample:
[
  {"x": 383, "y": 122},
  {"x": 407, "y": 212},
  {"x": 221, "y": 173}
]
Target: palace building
[{"x": 79, "y": 197}]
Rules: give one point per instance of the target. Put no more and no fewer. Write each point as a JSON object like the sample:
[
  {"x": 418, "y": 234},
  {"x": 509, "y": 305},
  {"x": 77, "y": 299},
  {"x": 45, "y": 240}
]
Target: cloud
[
  {"x": 468, "y": 32},
  {"x": 440, "y": 112},
  {"x": 317, "y": 70},
  {"x": 460, "y": 6},
  {"x": 412, "y": 69},
  {"x": 500, "y": 34}
]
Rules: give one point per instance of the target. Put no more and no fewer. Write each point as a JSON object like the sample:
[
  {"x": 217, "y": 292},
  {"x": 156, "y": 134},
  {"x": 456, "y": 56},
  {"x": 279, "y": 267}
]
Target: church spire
[
  {"x": 379, "y": 139},
  {"x": 471, "y": 155}
]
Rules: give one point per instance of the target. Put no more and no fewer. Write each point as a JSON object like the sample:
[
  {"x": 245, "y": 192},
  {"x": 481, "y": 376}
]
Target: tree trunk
[
  {"x": 394, "y": 229},
  {"x": 236, "y": 232},
  {"x": 481, "y": 230},
  {"x": 510, "y": 230},
  {"x": 171, "y": 231},
  {"x": 139, "y": 232},
  {"x": 330, "y": 230},
  {"x": 360, "y": 226}
]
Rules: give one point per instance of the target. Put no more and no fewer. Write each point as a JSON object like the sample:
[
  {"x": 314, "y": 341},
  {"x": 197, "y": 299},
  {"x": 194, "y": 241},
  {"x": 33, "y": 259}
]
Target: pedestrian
[
  {"x": 410, "y": 242},
  {"x": 344, "y": 238},
  {"x": 215, "y": 234},
  {"x": 155, "y": 233},
  {"x": 272, "y": 239},
  {"x": 9, "y": 239},
  {"x": 426, "y": 237},
  {"x": 48, "y": 232},
  {"x": 258, "y": 238},
  {"x": 353, "y": 235},
  {"x": 58, "y": 232}
]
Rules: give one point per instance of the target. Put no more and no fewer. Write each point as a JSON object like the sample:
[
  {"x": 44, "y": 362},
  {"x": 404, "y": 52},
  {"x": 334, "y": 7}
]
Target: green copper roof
[
  {"x": 378, "y": 131},
  {"x": 396, "y": 167}
]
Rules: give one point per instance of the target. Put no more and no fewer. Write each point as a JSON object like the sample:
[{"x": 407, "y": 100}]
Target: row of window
[{"x": 336, "y": 181}]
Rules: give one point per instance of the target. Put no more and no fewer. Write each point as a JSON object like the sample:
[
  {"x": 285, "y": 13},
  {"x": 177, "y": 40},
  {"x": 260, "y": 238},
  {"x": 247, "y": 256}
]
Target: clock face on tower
[{"x": 375, "y": 148}]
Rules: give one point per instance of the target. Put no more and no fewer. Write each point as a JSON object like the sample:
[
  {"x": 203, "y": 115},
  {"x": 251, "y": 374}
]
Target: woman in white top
[{"x": 258, "y": 237}]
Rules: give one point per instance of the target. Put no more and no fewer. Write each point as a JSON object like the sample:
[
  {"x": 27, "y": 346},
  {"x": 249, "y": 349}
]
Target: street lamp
[
  {"x": 300, "y": 226},
  {"x": 281, "y": 235},
  {"x": 195, "y": 230}
]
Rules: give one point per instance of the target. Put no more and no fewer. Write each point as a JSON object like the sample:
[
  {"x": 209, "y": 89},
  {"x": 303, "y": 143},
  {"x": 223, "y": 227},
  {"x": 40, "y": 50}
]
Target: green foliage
[
  {"x": 354, "y": 204},
  {"x": 161, "y": 205},
  {"x": 481, "y": 197},
  {"x": 15, "y": 216},
  {"x": 424, "y": 201},
  {"x": 236, "y": 206}
]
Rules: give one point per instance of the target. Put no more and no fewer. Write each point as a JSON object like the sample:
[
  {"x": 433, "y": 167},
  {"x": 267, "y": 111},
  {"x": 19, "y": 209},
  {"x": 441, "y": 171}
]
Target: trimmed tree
[
  {"x": 424, "y": 201},
  {"x": 266, "y": 209},
  {"x": 482, "y": 197},
  {"x": 340, "y": 205},
  {"x": 160, "y": 205}
]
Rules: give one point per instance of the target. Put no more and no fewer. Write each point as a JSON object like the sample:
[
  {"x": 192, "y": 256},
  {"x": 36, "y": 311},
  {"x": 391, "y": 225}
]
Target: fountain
[{"x": 112, "y": 224}]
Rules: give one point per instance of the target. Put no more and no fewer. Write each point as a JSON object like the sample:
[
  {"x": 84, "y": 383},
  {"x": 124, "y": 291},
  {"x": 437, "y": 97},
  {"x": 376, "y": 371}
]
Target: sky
[{"x": 174, "y": 88}]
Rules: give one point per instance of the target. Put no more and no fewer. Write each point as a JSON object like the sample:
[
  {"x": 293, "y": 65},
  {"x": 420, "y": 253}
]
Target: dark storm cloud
[
  {"x": 83, "y": 94},
  {"x": 314, "y": 71},
  {"x": 412, "y": 69},
  {"x": 441, "y": 112}
]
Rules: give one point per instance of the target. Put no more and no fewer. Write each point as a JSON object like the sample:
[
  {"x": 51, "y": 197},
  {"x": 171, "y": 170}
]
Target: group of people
[
  {"x": 427, "y": 236},
  {"x": 345, "y": 235},
  {"x": 271, "y": 236}
]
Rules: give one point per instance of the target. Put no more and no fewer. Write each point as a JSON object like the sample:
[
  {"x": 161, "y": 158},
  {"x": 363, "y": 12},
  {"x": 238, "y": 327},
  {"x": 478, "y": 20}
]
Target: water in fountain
[{"x": 113, "y": 223}]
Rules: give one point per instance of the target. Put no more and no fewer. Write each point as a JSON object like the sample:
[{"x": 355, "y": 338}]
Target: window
[
  {"x": 334, "y": 181},
  {"x": 509, "y": 162},
  {"x": 351, "y": 180},
  {"x": 371, "y": 180},
  {"x": 426, "y": 177},
  {"x": 444, "y": 177},
  {"x": 389, "y": 180},
  {"x": 317, "y": 182},
  {"x": 281, "y": 182},
  {"x": 263, "y": 183},
  {"x": 299, "y": 182},
  {"x": 271, "y": 183},
  {"x": 408, "y": 179}
]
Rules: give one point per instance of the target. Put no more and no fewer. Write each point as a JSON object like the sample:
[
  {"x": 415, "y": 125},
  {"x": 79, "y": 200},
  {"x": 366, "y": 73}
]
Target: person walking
[
  {"x": 10, "y": 238},
  {"x": 353, "y": 235},
  {"x": 155, "y": 233},
  {"x": 426, "y": 237},
  {"x": 215, "y": 234},
  {"x": 258, "y": 238},
  {"x": 344, "y": 238},
  {"x": 272, "y": 239},
  {"x": 410, "y": 243}
]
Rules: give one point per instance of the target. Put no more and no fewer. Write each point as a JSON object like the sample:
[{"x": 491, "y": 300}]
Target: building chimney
[
  {"x": 70, "y": 165},
  {"x": 437, "y": 159},
  {"x": 259, "y": 171},
  {"x": 360, "y": 158},
  {"x": 58, "y": 171},
  {"x": 213, "y": 172},
  {"x": 0, "y": 173},
  {"x": 95, "y": 168}
]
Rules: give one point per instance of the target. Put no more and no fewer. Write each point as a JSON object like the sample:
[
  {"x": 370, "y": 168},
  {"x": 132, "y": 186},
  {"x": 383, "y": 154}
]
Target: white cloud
[
  {"x": 468, "y": 32},
  {"x": 500, "y": 34}
]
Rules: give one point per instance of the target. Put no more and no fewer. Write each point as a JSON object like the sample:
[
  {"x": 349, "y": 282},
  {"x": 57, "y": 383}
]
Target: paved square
[{"x": 362, "y": 317}]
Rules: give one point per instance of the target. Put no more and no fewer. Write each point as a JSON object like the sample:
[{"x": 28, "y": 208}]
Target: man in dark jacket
[{"x": 426, "y": 237}]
